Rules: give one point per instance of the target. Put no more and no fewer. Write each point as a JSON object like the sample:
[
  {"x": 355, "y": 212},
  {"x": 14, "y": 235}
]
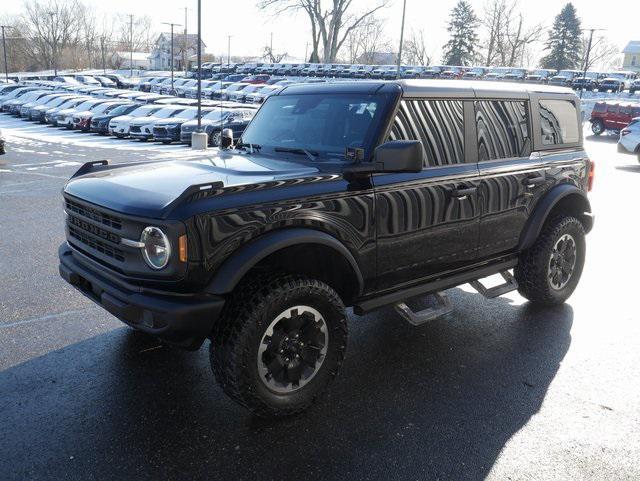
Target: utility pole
[
  {"x": 271, "y": 48},
  {"x": 130, "y": 46},
  {"x": 229, "y": 49},
  {"x": 54, "y": 48},
  {"x": 306, "y": 50},
  {"x": 404, "y": 8},
  {"x": 171, "y": 59},
  {"x": 4, "y": 49},
  {"x": 588, "y": 53}
]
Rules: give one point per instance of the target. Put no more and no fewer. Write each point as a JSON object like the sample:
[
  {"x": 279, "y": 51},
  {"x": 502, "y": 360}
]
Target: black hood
[{"x": 149, "y": 189}]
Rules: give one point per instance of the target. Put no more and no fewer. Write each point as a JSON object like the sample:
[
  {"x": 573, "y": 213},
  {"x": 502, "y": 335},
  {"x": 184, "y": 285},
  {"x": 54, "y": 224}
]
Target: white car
[
  {"x": 142, "y": 128},
  {"x": 119, "y": 126},
  {"x": 64, "y": 118},
  {"x": 630, "y": 138}
]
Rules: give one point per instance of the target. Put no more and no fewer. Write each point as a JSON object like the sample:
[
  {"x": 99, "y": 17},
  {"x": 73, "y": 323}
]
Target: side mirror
[
  {"x": 394, "y": 156},
  {"x": 227, "y": 138},
  {"x": 399, "y": 156}
]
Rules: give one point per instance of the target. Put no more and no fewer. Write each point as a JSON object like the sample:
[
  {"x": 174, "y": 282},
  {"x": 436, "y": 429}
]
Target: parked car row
[
  {"x": 122, "y": 113},
  {"x": 617, "y": 81}
]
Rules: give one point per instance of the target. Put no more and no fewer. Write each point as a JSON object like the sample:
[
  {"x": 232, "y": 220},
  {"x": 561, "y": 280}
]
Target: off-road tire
[
  {"x": 237, "y": 335},
  {"x": 532, "y": 269},
  {"x": 597, "y": 127}
]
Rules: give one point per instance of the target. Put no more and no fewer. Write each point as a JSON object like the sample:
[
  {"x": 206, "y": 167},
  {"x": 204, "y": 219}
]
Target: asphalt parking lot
[{"x": 497, "y": 390}]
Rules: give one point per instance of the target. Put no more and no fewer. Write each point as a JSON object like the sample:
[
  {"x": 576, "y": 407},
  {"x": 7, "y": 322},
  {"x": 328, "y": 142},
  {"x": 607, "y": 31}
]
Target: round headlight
[{"x": 157, "y": 249}]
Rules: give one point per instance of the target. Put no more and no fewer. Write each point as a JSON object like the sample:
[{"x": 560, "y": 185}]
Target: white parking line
[{"x": 47, "y": 317}]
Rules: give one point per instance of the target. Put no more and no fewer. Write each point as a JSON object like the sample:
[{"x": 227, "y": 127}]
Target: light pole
[
  {"x": 4, "y": 49},
  {"x": 199, "y": 139},
  {"x": 130, "y": 46},
  {"x": 229, "y": 49},
  {"x": 404, "y": 8},
  {"x": 184, "y": 44},
  {"x": 199, "y": 60},
  {"x": 171, "y": 59}
]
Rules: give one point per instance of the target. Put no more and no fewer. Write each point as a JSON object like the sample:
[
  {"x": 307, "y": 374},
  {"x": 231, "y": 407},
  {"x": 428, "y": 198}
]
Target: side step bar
[
  {"x": 509, "y": 285},
  {"x": 435, "y": 285},
  {"x": 442, "y": 308}
]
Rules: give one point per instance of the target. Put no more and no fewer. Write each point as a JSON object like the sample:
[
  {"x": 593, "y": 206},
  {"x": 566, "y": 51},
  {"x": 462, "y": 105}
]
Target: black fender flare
[
  {"x": 541, "y": 212},
  {"x": 246, "y": 257}
]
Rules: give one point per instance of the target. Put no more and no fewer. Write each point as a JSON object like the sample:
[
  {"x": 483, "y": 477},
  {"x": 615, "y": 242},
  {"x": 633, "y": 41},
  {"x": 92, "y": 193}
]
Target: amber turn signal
[{"x": 182, "y": 248}]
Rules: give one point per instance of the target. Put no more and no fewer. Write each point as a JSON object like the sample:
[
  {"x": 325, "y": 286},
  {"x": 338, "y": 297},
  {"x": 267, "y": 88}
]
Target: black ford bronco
[{"x": 360, "y": 194}]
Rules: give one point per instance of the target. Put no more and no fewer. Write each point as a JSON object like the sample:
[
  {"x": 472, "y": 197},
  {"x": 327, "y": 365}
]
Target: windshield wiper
[{"x": 311, "y": 154}]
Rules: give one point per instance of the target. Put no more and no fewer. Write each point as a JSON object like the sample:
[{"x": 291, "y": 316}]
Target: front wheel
[
  {"x": 597, "y": 127},
  {"x": 279, "y": 343},
  {"x": 216, "y": 139},
  {"x": 548, "y": 272}
]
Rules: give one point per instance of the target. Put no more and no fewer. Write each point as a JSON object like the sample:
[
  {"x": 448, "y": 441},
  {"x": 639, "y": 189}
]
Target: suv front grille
[
  {"x": 134, "y": 129},
  {"x": 96, "y": 244},
  {"x": 94, "y": 214}
]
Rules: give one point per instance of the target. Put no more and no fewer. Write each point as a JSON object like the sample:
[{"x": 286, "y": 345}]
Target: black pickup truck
[{"x": 360, "y": 194}]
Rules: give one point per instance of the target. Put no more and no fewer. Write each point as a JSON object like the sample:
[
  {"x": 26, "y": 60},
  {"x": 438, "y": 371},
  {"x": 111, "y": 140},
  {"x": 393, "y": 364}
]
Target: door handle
[
  {"x": 463, "y": 193},
  {"x": 534, "y": 181}
]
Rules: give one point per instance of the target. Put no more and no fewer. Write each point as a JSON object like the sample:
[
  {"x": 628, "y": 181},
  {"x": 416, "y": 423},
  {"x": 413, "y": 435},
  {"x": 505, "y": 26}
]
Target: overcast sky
[{"x": 251, "y": 27}]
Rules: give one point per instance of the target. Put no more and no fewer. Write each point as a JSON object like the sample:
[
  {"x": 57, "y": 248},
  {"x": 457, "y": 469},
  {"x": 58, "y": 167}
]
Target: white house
[
  {"x": 184, "y": 46},
  {"x": 631, "y": 59}
]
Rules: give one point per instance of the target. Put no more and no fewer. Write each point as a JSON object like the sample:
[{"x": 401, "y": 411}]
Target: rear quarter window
[{"x": 559, "y": 122}]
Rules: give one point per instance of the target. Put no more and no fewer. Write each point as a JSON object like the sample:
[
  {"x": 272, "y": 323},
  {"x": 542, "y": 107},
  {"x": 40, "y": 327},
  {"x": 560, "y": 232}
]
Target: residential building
[
  {"x": 631, "y": 60},
  {"x": 184, "y": 46}
]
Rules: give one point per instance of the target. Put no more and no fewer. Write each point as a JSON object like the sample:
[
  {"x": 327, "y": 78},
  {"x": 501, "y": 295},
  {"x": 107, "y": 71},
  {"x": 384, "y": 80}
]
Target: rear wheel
[
  {"x": 548, "y": 272},
  {"x": 279, "y": 343},
  {"x": 597, "y": 127}
]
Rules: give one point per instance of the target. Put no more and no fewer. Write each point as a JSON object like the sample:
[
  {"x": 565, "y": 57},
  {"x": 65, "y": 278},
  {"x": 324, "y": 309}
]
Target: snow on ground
[{"x": 25, "y": 136}]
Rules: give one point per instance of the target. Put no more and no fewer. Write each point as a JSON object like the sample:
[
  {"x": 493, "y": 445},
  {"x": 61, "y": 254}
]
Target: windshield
[
  {"x": 58, "y": 101},
  {"x": 120, "y": 109},
  {"x": 217, "y": 115},
  {"x": 86, "y": 105},
  {"x": 319, "y": 123},
  {"x": 164, "y": 113},
  {"x": 144, "y": 110}
]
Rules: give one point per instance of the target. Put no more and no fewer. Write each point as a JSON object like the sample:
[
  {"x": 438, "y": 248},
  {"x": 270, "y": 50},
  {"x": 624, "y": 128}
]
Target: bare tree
[
  {"x": 507, "y": 34},
  {"x": 495, "y": 18},
  {"x": 603, "y": 54},
  {"x": 331, "y": 21},
  {"x": 415, "y": 49},
  {"x": 517, "y": 37},
  {"x": 366, "y": 41},
  {"x": 138, "y": 33},
  {"x": 52, "y": 26}
]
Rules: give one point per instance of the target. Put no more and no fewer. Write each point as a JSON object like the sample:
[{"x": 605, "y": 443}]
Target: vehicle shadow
[
  {"x": 604, "y": 138},
  {"x": 435, "y": 402},
  {"x": 629, "y": 168}
]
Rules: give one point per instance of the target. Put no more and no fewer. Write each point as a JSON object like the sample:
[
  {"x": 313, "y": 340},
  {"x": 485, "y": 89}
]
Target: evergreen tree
[
  {"x": 461, "y": 47},
  {"x": 564, "y": 44}
]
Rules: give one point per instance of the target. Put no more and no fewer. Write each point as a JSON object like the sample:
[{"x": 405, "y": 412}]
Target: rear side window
[
  {"x": 503, "y": 129},
  {"x": 439, "y": 124},
  {"x": 613, "y": 109},
  {"x": 600, "y": 107},
  {"x": 559, "y": 122}
]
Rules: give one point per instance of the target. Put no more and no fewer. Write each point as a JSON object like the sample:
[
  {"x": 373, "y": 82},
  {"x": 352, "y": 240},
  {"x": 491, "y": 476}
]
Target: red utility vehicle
[{"x": 612, "y": 116}]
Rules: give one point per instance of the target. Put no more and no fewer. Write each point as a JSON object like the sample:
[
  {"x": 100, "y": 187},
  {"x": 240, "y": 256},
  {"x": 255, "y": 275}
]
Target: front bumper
[
  {"x": 141, "y": 135},
  {"x": 184, "y": 320}
]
